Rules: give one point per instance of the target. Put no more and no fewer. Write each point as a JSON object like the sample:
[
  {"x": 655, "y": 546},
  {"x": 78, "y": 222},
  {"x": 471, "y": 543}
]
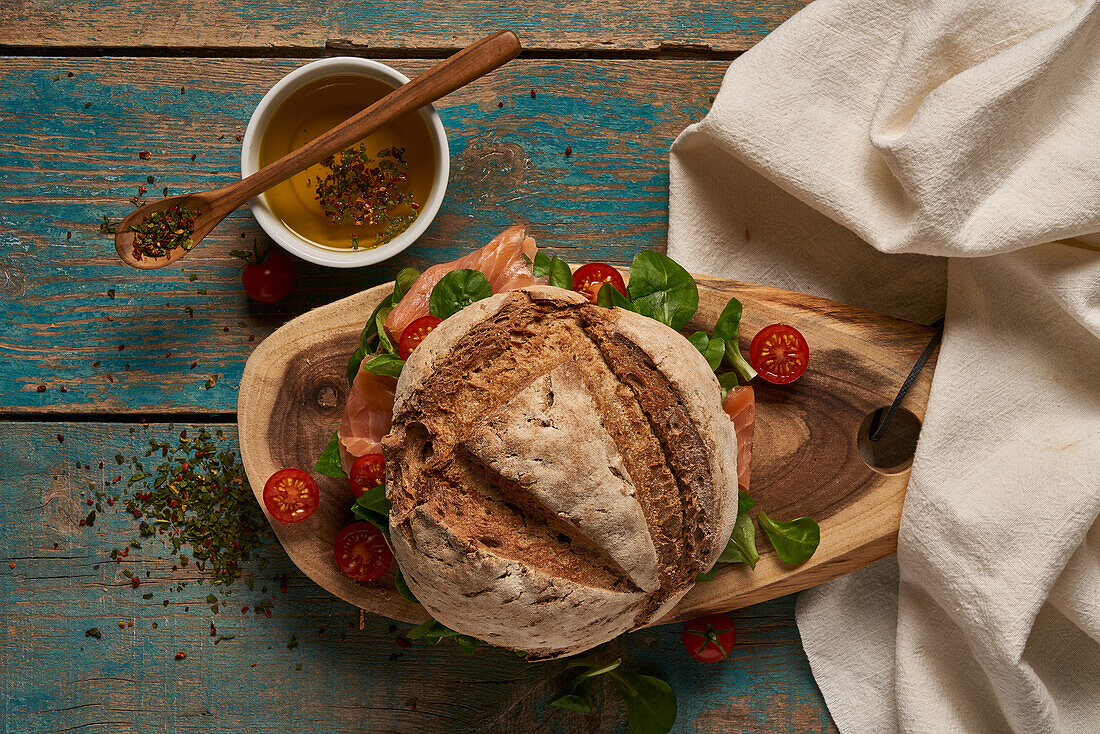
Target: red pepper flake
[
  {"x": 122, "y": 625},
  {"x": 11, "y": 565},
  {"x": 60, "y": 438},
  {"x": 165, "y": 602},
  {"x": 194, "y": 365},
  {"x": 135, "y": 581},
  {"x": 267, "y": 613},
  {"x": 192, "y": 156},
  {"x": 213, "y": 631},
  {"x": 568, "y": 150},
  {"x": 121, "y": 347},
  {"x": 532, "y": 94},
  {"x": 403, "y": 643},
  {"x": 41, "y": 388},
  {"x": 91, "y": 502},
  {"x": 130, "y": 623},
  {"x": 68, "y": 235},
  {"x": 142, "y": 191},
  {"x": 71, "y": 75},
  {"x": 110, "y": 378},
  {"x": 244, "y": 609},
  {"x": 137, "y": 514},
  {"x": 110, "y": 502},
  {"x": 499, "y": 105},
  {"x": 240, "y": 138},
  {"x": 145, "y": 155},
  {"x": 126, "y": 551},
  {"x": 181, "y": 656},
  {"x": 63, "y": 389}
]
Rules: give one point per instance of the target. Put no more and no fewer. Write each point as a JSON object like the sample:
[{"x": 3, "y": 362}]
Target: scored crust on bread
[{"x": 558, "y": 472}]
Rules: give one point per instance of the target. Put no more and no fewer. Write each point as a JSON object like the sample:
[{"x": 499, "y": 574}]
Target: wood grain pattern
[
  {"x": 65, "y": 166},
  {"x": 56, "y": 680},
  {"x": 721, "y": 25},
  {"x": 805, "y": 460}
]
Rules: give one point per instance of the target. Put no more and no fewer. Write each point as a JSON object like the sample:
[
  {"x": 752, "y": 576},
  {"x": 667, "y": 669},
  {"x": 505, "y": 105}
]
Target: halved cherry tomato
[
  {"x": 368, "y": 471},
  {"x": 361, "y": 552},
  {"x": 779, "y": 353},
  {"x": 589, "y": 278},
  {"x": 709, "y": 639},
  {"x": 291, "y": 495},
  {"x": 414, "y": 333}
]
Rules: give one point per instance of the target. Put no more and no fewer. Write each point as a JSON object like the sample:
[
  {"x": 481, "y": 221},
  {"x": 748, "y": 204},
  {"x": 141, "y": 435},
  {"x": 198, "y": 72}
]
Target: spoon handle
[{"x": 445, "y": 77}]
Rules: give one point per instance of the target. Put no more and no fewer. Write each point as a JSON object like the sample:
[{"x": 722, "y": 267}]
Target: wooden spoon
[{"x": 212, "y": 207}]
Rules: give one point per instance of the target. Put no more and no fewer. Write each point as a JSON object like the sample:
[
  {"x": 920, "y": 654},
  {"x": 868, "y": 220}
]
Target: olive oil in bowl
[{"x": 372, "y": 192}]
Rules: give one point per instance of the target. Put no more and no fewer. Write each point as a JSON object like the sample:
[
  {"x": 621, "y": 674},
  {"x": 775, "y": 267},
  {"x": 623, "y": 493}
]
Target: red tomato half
[
  {"x": 709, "y": 639},
  {"x": 414, "y": 333},
  {"x": 291, "y": 495},
  {"x": 270, "y": 280},
  {"x": 368, "y": 471},
  {"x": 779, "y": 353},
  {"x": 361, "y": 552},
  {"x": 589, "y": 278}
]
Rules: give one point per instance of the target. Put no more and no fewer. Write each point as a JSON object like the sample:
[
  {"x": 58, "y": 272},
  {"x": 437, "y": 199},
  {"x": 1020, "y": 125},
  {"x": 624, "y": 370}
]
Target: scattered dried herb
[
  {"x": 161, "y": 232},
  {"x": 107, "y": 226},
  {"x": 368, "y": 192},
  {"x": 199, "y": 497},
  {"x": 93, "y": 632}
]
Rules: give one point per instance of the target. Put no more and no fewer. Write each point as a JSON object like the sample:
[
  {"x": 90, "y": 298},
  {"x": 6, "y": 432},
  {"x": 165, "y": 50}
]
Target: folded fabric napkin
[{"x": 922, "y": 158}]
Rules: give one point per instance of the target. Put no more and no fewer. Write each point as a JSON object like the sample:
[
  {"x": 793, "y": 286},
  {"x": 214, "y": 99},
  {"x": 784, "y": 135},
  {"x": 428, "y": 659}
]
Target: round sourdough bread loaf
[{"x": 559, "y": 472}]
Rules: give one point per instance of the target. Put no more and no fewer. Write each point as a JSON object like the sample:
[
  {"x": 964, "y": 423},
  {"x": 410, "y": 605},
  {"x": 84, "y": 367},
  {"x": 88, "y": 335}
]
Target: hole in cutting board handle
[{"x": 893, "y": 453}]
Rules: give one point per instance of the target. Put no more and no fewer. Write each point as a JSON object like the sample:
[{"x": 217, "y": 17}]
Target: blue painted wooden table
[{"x": 95, "y": 358}]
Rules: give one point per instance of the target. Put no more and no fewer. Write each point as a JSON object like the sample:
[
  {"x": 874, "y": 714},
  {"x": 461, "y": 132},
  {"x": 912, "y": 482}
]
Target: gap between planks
[
  {"x": 122, "y": 418},
  {"x": 664, "y": 52}
]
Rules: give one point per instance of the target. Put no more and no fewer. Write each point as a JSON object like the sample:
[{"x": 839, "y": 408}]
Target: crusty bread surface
[{"x": 558, "y": 472}]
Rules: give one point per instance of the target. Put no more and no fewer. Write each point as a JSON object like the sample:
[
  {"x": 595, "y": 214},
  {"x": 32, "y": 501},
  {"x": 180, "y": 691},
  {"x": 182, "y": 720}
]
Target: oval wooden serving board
[{"x": 805, "y": 457}]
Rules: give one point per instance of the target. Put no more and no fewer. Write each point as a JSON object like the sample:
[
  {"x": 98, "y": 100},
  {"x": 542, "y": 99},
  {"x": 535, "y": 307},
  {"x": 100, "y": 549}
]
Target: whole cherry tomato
[
  {"x": 268, "y": 276},
  {"x": 588, "y": 279},
  {"x": 709, "y": 639}
]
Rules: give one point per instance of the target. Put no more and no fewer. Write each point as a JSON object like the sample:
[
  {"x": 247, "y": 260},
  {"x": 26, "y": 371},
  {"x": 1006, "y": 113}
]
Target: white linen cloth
[{"x": 915, "y": 158}]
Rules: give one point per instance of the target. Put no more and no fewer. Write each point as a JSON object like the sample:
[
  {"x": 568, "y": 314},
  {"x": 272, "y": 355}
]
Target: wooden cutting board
[{"x": 806, "y": 457}]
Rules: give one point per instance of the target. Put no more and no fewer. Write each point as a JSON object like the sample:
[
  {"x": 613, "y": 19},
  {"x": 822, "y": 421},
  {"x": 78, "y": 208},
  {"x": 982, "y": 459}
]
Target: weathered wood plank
[
  {"x": 69, "y": 154},
  {"x": 56, "y": 679},
  {"x": 721, "y": 25}
]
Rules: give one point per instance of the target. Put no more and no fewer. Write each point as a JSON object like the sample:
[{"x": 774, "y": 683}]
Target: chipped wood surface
[
  {"x": 64, "y": 167},
  {"x": 615, "y": 82},
  {"x": 270, "y": 26},
  {"x": 56, "y": 679}
]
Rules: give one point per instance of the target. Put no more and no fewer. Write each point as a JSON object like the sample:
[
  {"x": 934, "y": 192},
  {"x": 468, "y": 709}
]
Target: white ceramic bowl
[{"x": 250, "y": 160}]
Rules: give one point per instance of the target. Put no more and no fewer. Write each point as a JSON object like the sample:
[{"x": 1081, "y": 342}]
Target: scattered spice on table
[
  {"x": 568, "y": 150},
  {"x": 181, "y": 655},
  {"x": 87, "y": 105},
  {"x": 161, "y": 232},
  {"x": 93, "y": 632},
  {"x": 107, "y": 226},
  {"x": 199, "y": 496},
  {"x": 111, "y": 293},
  {"x": 532, "y": 94},
  {"x": 41, "y": 388}
]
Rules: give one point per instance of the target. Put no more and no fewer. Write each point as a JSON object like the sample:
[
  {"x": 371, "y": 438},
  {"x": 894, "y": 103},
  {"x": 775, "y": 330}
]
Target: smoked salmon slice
[
  {"x": 507, "y": 262},
  {"x": 367, "y": 416},
  {"x": 740, "y": 406}
]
